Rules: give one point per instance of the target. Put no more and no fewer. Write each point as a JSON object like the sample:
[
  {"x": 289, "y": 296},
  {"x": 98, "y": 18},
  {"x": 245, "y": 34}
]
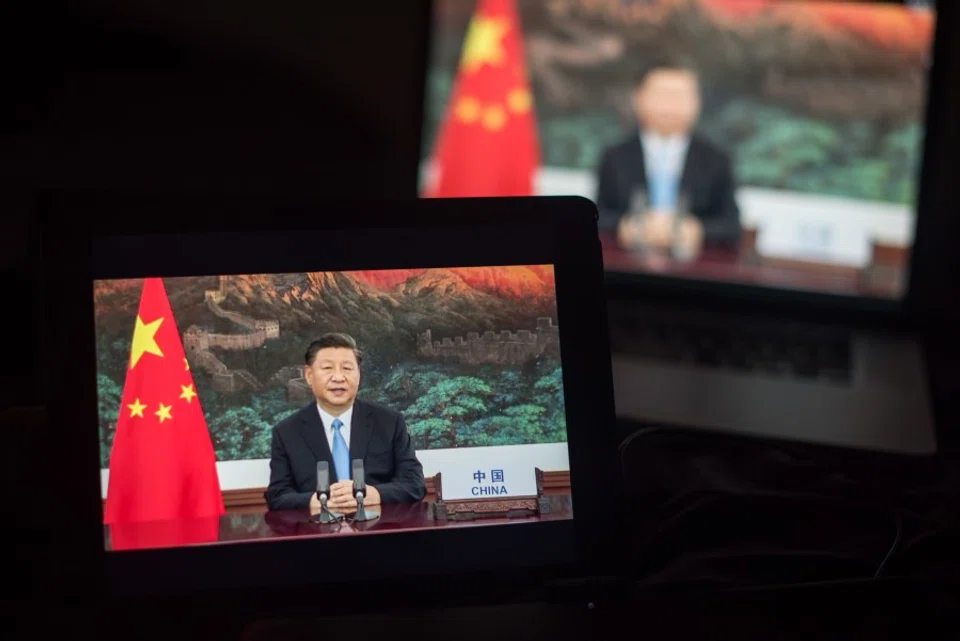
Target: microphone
[
  {"x": 323, "y": 491},
  {"x": 360, "y": 491},
  {"x": 323, "y": 480},
  {"x": 359, "y": 484}
]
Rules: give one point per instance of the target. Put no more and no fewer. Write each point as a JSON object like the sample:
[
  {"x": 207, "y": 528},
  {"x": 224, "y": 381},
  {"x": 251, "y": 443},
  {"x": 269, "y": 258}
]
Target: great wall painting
[
  {"x": 500, "y": 348},
  {"x": 439, "y": 345},
  {"x": 198, "y": 343}
]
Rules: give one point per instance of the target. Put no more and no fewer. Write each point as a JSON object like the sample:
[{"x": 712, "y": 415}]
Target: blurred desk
[
  {"x": 282, "y": 524},
  {"x": 743, "y": 266}
]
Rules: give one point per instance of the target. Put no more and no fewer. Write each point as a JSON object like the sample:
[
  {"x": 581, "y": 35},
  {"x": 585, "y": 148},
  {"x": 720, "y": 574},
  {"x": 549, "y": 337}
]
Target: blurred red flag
[
  {"x": 487, "y": 145},
  {"x": 142, "y": 535},
  {"x": 162, "y": 466}
]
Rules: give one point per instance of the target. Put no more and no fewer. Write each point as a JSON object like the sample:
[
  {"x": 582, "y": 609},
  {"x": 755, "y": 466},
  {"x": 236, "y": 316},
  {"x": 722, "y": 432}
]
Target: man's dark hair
[
  {"x": 665, "y": 63},
  {"x": 332, "y": 339}
]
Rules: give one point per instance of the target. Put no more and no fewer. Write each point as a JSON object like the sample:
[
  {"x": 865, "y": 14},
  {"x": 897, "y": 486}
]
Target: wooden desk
[
  {"x": 286, "y": 524},
  {"x": 744, "y": 266},
  {"x": 250, "y": 500}
]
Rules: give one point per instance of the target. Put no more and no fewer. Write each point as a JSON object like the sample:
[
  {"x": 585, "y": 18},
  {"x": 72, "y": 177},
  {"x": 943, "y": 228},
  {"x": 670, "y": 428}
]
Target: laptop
[
  {"x": 772, "y": 291},
  {"x": 195, "y": 329}
]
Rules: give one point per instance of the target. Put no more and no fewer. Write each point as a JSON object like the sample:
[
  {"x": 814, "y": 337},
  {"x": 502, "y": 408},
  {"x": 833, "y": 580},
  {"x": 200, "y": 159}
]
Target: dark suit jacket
[
  {"x": 378, "y": 435},
  {"x": 707, "y": 181}
]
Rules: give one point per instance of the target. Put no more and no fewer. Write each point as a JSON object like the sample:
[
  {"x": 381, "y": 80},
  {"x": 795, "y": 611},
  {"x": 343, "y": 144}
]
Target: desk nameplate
[{"x": 478, "y": 508}]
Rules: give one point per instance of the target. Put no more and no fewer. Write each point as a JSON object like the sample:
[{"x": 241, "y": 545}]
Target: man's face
[
  {"x": 668, "y": 102},
  {"x": 334, "y": 378}
]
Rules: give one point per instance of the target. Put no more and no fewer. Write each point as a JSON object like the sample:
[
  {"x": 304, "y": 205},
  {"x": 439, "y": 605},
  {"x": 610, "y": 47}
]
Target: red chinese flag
[
  {"x": 488, "y": 143},
  {"x": 162, "y": 467}
]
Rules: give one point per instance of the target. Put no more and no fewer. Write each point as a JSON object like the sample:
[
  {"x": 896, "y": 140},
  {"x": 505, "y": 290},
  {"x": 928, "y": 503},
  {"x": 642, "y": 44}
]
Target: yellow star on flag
[
  {"x": 494, "y": 118},
  {"x": 519, "y": 101},
  {"x": 144, "y": 340},
  {"x": 467, "y": 109},
  {"x": 187, "y": 394},
  {"x": 136, "y": 408},
  {"x": 164, "y": 413},
  {"x": 484, "y": 45},
  {"x": 186, "y": 364}
]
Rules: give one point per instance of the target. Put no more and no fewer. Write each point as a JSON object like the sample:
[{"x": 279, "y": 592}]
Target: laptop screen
[{"x": 761, "y": 142}]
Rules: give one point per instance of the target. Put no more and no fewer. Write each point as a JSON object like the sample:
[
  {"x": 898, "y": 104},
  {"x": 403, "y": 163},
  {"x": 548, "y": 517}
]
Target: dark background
[
  {"x": 288, "y": 96},
  {"x": 294, "y": 96},
  {"x": 311, "y": 95}
]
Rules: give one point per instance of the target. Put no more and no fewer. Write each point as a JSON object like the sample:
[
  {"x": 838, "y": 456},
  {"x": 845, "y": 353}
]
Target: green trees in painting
[
  {"x": 109, "y": 395},
  {"x": 240, "y": 425},
  {"x": 492, "y": 406},
  {"x": 773, "y": 147},
  {"x": 435, "y": 417},
  {"x": 548, "y": 393},
  {"x": 445, "y": 405}
]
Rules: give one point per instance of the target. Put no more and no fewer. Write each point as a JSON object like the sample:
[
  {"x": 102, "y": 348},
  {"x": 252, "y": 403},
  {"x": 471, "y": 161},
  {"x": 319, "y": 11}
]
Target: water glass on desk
[
  {"x": 630, "y": 239},
  {"x": 680, "y": 251},
  {"x": 639, "y": 212},
  {"x": 639, "y": 203},
  {"x": 676, "y": 217}
]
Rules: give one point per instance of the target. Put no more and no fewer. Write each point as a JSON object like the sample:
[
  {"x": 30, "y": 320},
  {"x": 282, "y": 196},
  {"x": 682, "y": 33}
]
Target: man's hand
[
  {"x": 372, "y": 497},
  {"x": 628, "y": 232},
  {"x": 657, "y": 230},
  {"x": 315, "y": 504},
  {"x": 341, "y": 497},
  {"x": 689, "y": 239}
]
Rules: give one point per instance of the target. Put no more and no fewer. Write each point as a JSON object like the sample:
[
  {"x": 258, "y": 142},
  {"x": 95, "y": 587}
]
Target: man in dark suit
[
  {"x": 338, "y": 428},
  {"x": 665, "y": 186}
]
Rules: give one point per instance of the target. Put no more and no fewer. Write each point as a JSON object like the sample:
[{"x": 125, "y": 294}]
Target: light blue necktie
[
  {"x": 341, "y": 453},
  {"x": 664, "y": 185}
]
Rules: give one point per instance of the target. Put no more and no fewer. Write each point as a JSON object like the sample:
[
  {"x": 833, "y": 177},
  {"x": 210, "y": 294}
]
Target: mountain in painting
[{"x": 372, "y": 305}]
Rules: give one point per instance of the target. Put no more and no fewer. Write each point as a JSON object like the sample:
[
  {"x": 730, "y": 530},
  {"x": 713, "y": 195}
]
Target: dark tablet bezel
[{"x": 561, "y": 231}]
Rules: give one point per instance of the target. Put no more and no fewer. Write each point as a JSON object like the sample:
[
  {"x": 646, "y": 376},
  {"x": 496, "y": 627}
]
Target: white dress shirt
[
  {"x": 665, "y": 153},
  {"x": 328, "y": 419}
]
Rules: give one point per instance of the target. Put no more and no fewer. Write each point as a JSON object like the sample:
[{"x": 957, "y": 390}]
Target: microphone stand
[
  {"x": 362, "y": 514},
  {"x": 326, "y": 516}
]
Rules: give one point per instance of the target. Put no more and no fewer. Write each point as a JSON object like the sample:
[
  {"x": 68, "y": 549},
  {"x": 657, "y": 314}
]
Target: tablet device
[{"x": 235, "y": 359}]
